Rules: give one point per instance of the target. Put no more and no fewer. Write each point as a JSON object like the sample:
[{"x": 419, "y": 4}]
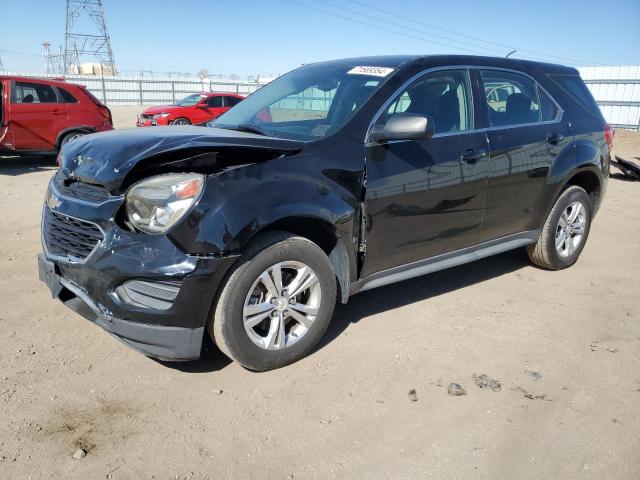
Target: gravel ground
[{"x": 549, "y": 362}]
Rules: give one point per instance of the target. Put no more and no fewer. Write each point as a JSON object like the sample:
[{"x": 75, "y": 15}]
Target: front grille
[
  {"x": 69, "y": 237},
  {"x": 80, "y": 190}
]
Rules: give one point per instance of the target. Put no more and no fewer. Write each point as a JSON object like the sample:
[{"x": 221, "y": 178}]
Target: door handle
[
  {"x": 472, "y": 155},
  {"x": 59, "y": 112},
  {"x": 554, "y": 138}
]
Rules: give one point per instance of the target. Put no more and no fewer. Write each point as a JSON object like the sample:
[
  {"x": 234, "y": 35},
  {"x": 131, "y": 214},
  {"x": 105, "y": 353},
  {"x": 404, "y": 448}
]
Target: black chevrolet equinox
[{"x": 336, "y": 178}]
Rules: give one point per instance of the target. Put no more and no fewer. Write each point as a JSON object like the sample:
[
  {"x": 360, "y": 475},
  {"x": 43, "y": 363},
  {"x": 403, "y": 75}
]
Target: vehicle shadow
[
  {"x": 422, "y": 288},
  {"x": 381, "y": 300},
  {"x": 20, "y": 165},
  {"x": 211, "y": 359}
]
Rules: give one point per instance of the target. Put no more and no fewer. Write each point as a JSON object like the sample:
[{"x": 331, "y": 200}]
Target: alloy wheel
[
  {"x": 282, "y": 305},
  {"x": 570, "y": 229}
]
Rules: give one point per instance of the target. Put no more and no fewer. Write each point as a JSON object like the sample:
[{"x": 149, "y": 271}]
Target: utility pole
[{"x": 86, "y": 36}]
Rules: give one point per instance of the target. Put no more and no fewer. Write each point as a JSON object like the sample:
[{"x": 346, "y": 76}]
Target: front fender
[{"x": 239, "y": 203}]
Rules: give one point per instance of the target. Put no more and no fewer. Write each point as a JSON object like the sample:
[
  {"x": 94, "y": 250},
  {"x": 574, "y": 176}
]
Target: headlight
[
  {"x": 156, "y": 204},
  {"x": 160, "y": 115}
]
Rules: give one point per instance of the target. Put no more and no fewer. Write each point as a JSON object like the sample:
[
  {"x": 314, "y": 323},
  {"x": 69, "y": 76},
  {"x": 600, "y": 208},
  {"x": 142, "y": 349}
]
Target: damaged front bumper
[{"x": 141, "y": 288}]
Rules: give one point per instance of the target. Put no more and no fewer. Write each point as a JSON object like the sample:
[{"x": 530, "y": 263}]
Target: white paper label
[{"x": 372, "y": 71}]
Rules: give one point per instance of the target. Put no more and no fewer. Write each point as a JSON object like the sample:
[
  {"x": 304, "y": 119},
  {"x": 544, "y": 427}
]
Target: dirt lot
[{"x": 565, "y": 347}]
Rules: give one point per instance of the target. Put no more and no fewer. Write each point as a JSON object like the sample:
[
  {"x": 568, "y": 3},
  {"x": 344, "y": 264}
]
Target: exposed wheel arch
[
  {"x": 590, "y": 182},
  {"x": 323, "y": 234}
]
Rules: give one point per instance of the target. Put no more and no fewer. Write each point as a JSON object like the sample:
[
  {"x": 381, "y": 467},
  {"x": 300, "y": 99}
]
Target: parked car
[
  {"x": 39, "y": 116},
  {"x": 196, "y": 109},
  {"x": 370, "y": 171}
]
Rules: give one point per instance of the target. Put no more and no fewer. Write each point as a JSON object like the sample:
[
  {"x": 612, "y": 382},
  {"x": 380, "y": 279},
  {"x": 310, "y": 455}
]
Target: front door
[
  {"x": 36, "y": 116},
  {"x": 426, "y": 197}
]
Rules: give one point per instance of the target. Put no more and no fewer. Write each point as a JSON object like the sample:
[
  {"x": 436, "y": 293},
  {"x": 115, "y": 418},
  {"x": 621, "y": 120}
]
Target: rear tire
[
  {"x": 68, "y": 137},
  {"x": 565, "y": 231},
  {"x": 276, "y": 303},
  {"x": 181, "y": 121}
]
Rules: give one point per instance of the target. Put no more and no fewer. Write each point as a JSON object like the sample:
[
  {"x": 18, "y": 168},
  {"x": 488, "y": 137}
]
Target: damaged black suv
[{"x": 333, "y": 179}]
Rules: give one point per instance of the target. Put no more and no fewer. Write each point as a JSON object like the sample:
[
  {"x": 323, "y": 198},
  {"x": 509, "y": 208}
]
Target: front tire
[
  {"x": 565, "y": 231},
  {"x": 276, "y": 303}
]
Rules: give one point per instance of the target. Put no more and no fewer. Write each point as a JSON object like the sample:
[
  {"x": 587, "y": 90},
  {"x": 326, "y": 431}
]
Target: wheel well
[
  {"x": 325, "y": 236},
  {"x": 71, "y": 131},
  {"x": 590, "y": 183}
]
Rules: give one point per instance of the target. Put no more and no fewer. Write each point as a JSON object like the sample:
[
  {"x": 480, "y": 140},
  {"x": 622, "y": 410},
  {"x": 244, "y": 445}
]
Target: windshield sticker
[{"x": 373, "y": 71}]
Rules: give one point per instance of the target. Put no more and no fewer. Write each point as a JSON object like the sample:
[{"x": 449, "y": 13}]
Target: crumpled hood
[{"x": 106, "y": 158}]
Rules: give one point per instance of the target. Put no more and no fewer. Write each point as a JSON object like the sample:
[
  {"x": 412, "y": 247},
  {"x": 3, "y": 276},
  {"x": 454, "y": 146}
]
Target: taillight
[
  {"x": 106, "y": 113},
  {"x": 608, "y": 135}
]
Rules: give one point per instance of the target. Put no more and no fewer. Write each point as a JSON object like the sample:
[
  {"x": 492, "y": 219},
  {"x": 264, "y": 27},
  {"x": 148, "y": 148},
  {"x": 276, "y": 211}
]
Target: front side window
[
  {"x": 214, "y": 102},
  {"x": 309, "y": 103},
  {"x": 445, "y": 96},
  {"x": 27, "y": 92}
]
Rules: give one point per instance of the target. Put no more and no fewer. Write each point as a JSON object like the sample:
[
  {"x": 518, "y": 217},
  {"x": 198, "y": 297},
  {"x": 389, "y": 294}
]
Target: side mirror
[
  {"x": 403, "y": 126},
  {"x": 203, "y": 106}
]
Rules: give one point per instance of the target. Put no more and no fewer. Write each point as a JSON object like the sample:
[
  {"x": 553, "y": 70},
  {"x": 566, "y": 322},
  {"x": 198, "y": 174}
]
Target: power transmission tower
[
  {"x": 86, "y": 36},
  {"x": 53, "y": 63}
]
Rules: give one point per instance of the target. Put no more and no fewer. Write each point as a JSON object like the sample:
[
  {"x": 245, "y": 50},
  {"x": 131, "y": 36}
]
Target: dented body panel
[{"x": 383, "y": 208}]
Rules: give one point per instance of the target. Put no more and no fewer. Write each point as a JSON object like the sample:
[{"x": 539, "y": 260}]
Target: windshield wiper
[{"x": 247, "y": 127}]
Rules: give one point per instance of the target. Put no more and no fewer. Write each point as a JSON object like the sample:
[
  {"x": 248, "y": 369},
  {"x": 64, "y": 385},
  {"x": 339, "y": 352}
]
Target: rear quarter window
[{"x": 578, "y": 91}]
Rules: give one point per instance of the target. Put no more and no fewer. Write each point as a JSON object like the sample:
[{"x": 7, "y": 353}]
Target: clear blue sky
[{"x": 273, "y": 36}]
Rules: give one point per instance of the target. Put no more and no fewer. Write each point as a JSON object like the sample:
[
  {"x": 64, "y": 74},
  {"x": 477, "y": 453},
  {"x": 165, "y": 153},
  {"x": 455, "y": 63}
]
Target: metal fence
[
  {"x": 617, "y": 92},
  {"x": 151, "y": 90}
]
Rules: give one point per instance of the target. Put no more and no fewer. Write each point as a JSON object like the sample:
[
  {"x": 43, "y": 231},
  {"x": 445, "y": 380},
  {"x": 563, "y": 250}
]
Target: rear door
[
  {"x": 36, "y": 116},
  {"x": 426, "y": 197},
  {"x": 526, "y": 133}
]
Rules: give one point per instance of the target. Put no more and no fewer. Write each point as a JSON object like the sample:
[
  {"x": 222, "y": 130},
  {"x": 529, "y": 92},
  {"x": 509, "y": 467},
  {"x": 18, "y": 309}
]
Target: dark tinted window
[
  {"x": 214, "y": 102},
  {"x": 548, "y": 107},
  {"x": 444, "y": 96},
  {"x": 512, "y": 98},
  {"x": 231, "y": 101},
  {"x": 66, "y": 96},
  {"x": 27, "y": 92},
  {"x": 576, "y": 88}
]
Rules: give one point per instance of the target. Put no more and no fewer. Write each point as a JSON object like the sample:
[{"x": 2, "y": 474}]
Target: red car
[
  {"x": 195, "y": 109},
  {"x": 38, "y": 116}
]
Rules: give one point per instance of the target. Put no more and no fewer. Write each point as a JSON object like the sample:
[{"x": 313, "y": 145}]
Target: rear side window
[
  {"x": 27, "y": 92},
  {"x": 66, "y": 96},
  {"x": 575, "y": 87},
  {"x": 549, "y": 108},
  {"x": 512, "y": 98},
  {"x": 231, "y": 101}
]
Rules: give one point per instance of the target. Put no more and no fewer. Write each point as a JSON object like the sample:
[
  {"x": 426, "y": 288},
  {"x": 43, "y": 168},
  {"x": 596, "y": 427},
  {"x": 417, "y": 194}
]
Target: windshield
[
  {"x": 306, "y": 104},
  {"x": 189, "y": 101}
]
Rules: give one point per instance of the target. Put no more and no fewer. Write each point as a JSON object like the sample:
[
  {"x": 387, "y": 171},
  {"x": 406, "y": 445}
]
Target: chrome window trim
[
  {"x": 67, "y": 259},
  {"x": 414, "y": 77}
]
